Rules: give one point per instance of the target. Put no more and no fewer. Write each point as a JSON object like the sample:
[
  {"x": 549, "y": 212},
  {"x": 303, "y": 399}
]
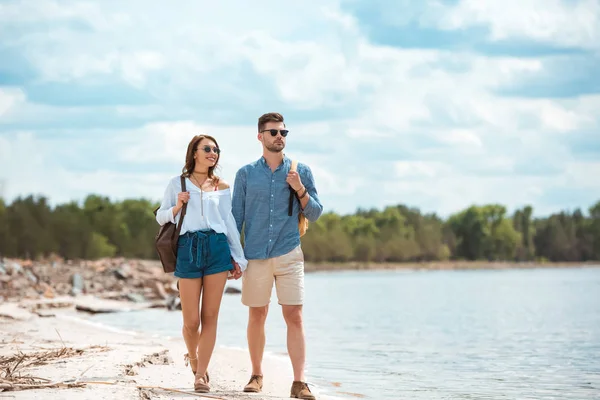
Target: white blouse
[{"x": 205, "y": 210}]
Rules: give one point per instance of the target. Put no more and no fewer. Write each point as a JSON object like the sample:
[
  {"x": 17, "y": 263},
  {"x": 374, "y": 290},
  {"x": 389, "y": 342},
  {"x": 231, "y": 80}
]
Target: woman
[{"x": 209, "y": 249}]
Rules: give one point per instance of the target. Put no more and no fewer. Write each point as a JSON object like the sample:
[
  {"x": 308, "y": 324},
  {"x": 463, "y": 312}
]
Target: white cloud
[
  {"x": 461, "y": 137},
  {"x": 23, "y": 165},
  {"x": 581, "y": 174},
  {"x": 457, "y": 141},
  {"x": 556, "y": 21},
  {"x": 168, "y": 141},
  {"x": 418, "y": 169},
  {"x": 10, "y": 98}
]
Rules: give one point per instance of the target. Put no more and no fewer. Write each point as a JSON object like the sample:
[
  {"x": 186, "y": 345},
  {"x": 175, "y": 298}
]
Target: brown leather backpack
[
  {"x": 302, "y": 220},
  {"x": 167, "y": 237}
]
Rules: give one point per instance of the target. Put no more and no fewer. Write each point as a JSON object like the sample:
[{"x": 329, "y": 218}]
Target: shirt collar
[{"x": 286, "y": 161}]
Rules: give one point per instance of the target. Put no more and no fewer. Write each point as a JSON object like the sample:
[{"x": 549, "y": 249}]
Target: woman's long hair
[{"x": 190, "y": 163}]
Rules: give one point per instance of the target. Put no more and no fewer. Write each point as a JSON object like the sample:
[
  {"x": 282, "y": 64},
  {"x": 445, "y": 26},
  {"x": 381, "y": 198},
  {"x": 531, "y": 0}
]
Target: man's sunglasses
[
  {"x": 207, "y": 149},
  {"x": 274, "y": 132}
]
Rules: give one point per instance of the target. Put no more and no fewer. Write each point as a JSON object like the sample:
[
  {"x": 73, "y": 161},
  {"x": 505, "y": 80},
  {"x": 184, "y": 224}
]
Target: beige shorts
[{"x": 287, "y": 271}]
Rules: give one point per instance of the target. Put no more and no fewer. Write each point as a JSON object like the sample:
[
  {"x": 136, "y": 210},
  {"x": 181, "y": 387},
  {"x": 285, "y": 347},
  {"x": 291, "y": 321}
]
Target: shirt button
[
  {"x": 272, "y": 180},
  {"x": 271, "y": 210}
]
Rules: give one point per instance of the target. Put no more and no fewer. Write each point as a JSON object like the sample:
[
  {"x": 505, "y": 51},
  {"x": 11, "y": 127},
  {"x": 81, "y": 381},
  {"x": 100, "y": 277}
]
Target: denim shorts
[{"x": 202, "y": 253}]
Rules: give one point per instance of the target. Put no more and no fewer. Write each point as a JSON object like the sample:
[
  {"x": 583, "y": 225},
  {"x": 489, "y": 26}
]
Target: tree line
[{"x": 31, "y": 228}]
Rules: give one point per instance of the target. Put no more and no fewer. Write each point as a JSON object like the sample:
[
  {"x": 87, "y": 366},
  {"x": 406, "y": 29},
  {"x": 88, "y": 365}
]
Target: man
[{"x": 272, "y": 245}]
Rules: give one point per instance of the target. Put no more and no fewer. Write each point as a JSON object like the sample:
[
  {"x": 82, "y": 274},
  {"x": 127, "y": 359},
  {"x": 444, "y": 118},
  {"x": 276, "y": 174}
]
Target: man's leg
[
  {"x": 289, "y": 281},
  {"x": 256, "y": 336},
  {"x": 257, "y": 285},
  {"x": 295, "y": 340}
]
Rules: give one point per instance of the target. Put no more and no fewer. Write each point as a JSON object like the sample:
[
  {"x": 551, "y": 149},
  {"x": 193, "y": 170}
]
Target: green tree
[
  {"x": 137, "y": 224},
  {"x": 29, "y": 227},
  {"x": 484, "y": 234},
  {"x": 29, "y": 223},
  {"x": 105, "y": 218},
  {"x": 98, "y": 247},
  {"x": 594, "y": 231},
  {"x": 522, "y": 222},
  {"x": 7, "y": 243}
]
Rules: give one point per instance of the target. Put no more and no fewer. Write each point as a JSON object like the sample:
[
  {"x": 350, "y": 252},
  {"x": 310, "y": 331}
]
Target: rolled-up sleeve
[
  {"x": 238, "y": 207},
  {"x": 165, "y": 212},
  {"x": 314, "y": 208},
  {"x": 233, "y": 235}
]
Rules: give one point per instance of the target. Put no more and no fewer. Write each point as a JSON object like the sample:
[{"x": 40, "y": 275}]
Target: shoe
[
  {"x": 255, "y": 385},
  {"x": 300, "y": 390},
  {"x": 201, "y": 385}
]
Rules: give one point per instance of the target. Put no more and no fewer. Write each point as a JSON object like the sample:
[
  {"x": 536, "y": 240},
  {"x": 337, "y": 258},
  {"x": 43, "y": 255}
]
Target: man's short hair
[{"x": 269, "y": 117}]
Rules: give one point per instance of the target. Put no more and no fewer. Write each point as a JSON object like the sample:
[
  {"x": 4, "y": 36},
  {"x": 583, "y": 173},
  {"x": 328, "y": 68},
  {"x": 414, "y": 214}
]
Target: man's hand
[
  {"x": 293, "y": 179},
  {"x": 237, "y": 271}
]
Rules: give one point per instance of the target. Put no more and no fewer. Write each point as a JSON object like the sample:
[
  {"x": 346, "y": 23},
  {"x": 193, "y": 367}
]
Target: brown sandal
[
  {"x": 201, "y": 384},
  {"x": 187, "y": 358}
]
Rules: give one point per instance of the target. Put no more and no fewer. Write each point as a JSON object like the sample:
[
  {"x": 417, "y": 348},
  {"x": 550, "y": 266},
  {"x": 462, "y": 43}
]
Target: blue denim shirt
[{"x": 261, "y": 201}]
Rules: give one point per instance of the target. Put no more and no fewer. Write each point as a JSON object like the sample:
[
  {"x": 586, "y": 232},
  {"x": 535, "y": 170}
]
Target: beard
[{"x": 275, "y": 147}]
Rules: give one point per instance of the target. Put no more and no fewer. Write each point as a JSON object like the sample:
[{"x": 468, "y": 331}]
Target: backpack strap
[
  {"x": 183, "y": 209},
  {"x": 292, "y": 194}
]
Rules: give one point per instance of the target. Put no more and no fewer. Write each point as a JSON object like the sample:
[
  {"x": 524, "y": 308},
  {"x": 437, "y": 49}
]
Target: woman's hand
[
  {"x": 237, "y": 271},
  {"x": 182, "y": 198}
]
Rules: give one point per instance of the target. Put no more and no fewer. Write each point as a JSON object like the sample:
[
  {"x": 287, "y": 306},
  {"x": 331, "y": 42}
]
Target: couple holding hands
[{"x": 269, "y": 196}]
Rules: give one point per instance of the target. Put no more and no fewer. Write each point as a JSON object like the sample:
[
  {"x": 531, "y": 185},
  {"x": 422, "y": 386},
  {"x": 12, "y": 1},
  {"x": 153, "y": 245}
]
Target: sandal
[
  {"x": 201, "y": 384},
  {"x": 187, "y": 359}
]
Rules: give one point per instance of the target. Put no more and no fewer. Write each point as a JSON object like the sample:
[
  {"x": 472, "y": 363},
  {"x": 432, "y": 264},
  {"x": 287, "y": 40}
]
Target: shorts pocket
[
  {"x": 296, "y": 255},
  {"x": 219, "y": 250},
  {"x": 183, "y": 241},
  {"x": 183, "y": 250}
]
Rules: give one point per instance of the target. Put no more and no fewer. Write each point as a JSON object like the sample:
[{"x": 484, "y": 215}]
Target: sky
[{"x": 437, "y": 105}]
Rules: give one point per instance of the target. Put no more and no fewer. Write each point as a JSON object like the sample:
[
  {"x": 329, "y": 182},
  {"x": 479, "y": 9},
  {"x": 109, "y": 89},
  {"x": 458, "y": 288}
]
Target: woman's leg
[
  {"x": 214, "y": 286},
  {"x": 189, "y": 292}
]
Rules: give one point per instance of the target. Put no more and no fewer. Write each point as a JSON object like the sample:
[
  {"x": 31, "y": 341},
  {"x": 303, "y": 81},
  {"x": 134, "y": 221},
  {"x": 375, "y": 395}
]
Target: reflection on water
[{"x": 513, "y": 334}]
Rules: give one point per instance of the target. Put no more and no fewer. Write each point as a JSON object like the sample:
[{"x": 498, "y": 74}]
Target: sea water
[{"x": 484, "y": 334}]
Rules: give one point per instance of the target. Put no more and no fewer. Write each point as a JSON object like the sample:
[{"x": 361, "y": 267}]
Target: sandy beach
[{"x": 112, "y": 364}]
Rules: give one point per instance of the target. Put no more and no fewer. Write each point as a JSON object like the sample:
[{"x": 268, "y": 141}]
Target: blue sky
[{"x": 433, "y": 104}]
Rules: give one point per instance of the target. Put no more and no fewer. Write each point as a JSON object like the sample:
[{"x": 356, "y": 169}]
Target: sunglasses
[
  {"x": 284, "y": 132},
  {"x": 207, "y": 149}
]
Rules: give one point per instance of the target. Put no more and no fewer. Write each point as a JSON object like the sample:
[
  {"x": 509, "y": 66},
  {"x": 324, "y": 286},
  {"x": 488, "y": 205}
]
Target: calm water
[{"x": 515, "y": 334}]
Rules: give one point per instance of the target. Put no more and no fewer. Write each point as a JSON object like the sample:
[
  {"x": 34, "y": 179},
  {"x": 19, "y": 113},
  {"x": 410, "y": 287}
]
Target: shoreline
[
  {"x": 311, "y": 267},
  {"x": 109, "y": 362}
]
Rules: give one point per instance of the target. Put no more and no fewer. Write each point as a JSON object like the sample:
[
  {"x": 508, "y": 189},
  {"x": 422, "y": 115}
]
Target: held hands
[
  {"x": 237, "y": 271},
  {"x": 293, "y": 179}
]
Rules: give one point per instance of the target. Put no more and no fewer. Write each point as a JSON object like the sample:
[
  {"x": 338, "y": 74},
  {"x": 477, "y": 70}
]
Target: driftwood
[
  {"x": 13, "y": 366},
  {"x": 10, "y": 386},
  {"x": 19, "y": 361},
  {"x": 207, "y": 396},
  {"x": 11, "y": 378}
]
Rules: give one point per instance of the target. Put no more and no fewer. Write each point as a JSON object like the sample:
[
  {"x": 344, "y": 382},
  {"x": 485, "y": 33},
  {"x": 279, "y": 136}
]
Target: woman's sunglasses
[
  {"x": 207, "y": 149},
  {"x": 274, "y": 132}
]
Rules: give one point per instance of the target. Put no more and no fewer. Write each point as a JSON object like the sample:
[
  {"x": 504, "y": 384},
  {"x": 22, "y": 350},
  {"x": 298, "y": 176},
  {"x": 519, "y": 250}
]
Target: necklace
[{"x": 201, "y": 192}]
